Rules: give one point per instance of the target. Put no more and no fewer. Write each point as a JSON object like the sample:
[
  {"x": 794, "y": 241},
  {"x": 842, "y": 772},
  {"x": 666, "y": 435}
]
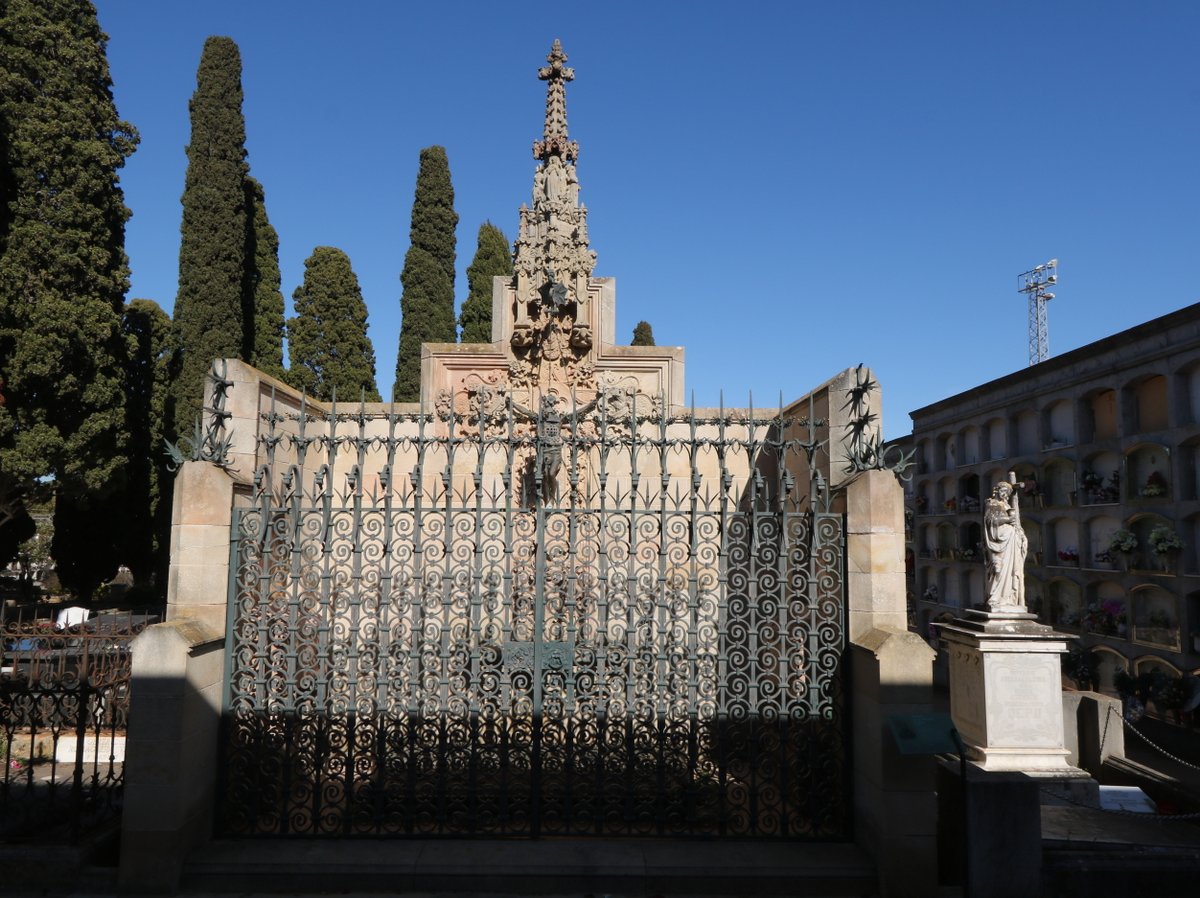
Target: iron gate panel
[{"x": 646, "y": 655}]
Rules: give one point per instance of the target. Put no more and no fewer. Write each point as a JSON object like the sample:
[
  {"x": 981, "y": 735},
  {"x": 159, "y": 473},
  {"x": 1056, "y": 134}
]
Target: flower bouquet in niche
[
  {"x": 1123, "y": 542},
  {"x": 1156, "y": 486},
  {"x": 1164, "y": 540},
  {"x": 1106, "y": 618},
  {"x": 950, "y": 505}
]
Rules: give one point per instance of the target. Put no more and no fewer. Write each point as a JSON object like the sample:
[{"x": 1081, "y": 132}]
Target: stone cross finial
[{"x": 554, "y": 141}]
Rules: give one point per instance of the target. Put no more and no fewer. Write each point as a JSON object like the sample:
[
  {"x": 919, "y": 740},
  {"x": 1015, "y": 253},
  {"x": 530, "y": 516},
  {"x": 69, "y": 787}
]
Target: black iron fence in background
[{"x": 64, "y": 708}]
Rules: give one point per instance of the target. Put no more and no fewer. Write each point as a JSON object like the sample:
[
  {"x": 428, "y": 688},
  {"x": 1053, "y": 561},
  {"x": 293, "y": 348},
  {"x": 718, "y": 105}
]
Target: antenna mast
[{"x": 1033, "y": 283}]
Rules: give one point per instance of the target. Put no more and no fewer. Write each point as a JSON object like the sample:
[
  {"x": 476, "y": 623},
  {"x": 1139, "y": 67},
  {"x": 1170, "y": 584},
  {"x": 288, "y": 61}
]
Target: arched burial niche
[
  {"x": 1098, "y": 416},
  {"x": 1027, "y": 433},
  {"x": 1150, "y": 404},
  {"x": 1107, "y": 664},
  {"x": 1058, "y": 423},
  {"x": 945, "y": 452},
  {"x": 947, "y": 489},
  {"x": 1065, "y": 601},
  {"x": 1155, "y": 617},
  {"x": 1151, "y": 666},
  {"x": 1098, "y": 543},
  {"x": 968, "y": 445},
  {"x": 970, "y": 541},
  {"x": 968, "y": 494},
  {"x": 1188, "y": 380},
  {"x": 1100, "y": 483},
  {"x": 1193, "y": 622},
  {"x": 1189, "y": 532},
  {"x": 947, "y": 585},
  {"x": 1148, "y": 472},
  {"x": 1106, "y": 612},
  {"x": 926, "y": 540},
  {"x": 947, "y": 544},
  {"x": 926, "y": 457},
  {"x": 922, "y": 502},
  {"x": 1065, "y": 548},
  {"x": 1188, "y": 470},
  {"x": 1058, "y": 482},
  {"x": 1147, "y": 529},
  {"x": 971, "y": 582},
  {"x": 995, "y": 438}
]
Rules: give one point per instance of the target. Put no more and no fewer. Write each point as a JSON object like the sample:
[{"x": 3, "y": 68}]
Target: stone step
[{"x": 547, "y": 867}]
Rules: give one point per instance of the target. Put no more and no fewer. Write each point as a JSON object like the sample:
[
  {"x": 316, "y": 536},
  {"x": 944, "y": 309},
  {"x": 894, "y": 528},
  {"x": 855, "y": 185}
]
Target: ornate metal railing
[
  {"x": 531, "y": 623},
  {"x": 64, "y": 705}
]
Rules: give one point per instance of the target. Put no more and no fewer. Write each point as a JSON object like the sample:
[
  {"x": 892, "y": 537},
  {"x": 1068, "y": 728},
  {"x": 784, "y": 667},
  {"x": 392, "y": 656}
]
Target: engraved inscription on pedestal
[{"x": 1025, "y": 706}]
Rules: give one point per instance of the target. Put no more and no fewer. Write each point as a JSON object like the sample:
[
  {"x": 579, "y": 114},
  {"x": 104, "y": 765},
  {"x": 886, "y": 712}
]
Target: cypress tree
[
  {"x": 209, "y": 308},
  {"x": 264, "y": 337},
  {"x": 643, "y": 335},
  {"x": 424, "y": 319},
  {"x": 147, "y": 381},
  {"x": 427, "y": 302},
  {"x": 493, "y": 258},
  {"x": 63, "y": 269},
  {"x": 433, "y": 215},
  {"x": 328, "y": 345}
]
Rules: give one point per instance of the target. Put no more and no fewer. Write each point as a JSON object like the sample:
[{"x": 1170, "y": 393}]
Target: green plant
[
  {"x": 1123, "y": 541},
  {"x": 1163, "y": 540}
]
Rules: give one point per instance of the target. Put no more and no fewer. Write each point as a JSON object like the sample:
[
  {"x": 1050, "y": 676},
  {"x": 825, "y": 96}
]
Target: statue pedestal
[{"x": 1006, "y": 691}]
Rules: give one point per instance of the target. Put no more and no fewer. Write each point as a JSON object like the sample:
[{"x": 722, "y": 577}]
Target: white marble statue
[{"x": 1005, "y": 548}]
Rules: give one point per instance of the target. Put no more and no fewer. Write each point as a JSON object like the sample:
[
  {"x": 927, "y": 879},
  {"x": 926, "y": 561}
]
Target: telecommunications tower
[{"x": 1033, "y": 283}]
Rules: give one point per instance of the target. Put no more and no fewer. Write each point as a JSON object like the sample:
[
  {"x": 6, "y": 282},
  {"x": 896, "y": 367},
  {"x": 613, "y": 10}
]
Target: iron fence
[
  {"x": 517, "y": 622},
  {"x": 64, "y": 706}
]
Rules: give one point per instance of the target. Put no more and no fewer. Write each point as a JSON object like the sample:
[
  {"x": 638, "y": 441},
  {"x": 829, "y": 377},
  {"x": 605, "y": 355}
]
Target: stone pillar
[
  {"x": 895, "y": 803},
  {"x": 171, "y": 752},
  {"x": 1006, "y": 701},
  {"x": 875, "y": 581},
  {"x": 1006, "y": 691},
  {"x": 198, "y": 583},
  {"x": 177, "y": 691}
]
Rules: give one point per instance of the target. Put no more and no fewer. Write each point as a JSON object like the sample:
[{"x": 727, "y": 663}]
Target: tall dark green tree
[
  {"x": 263, "y": 307},
  {"x": 643, "y": 334},
  {"x": 63, "y": 269},
  {"x": 146, "y": 525},
  {"x": 433, "y": 215},
  {"x": 493, "y": 258},
  {"x": 213, "y": 272},
  {"x": 327, "y": 339},
  {"x": 427, "y": 302}
]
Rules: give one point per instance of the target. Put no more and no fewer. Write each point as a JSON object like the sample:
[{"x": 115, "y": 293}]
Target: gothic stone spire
[
  {"x": 552, "y": 260},
  {"x": 554, "y": 141}
]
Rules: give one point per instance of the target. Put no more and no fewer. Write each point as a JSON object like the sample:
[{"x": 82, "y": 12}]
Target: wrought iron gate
[{"x": 558, "y": 624}]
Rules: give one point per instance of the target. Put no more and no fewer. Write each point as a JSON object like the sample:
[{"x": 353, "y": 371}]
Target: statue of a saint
[{"x": 1005, "y": 548}]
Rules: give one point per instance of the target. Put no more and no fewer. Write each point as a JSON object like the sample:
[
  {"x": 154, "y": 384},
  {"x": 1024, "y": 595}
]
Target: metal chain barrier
[
  {"x": 1140, "y": 814},
  {"x": 1146, "y": 739}
]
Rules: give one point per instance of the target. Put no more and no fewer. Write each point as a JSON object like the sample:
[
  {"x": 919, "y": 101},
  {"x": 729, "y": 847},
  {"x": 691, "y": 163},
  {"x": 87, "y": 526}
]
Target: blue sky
[{"x": 785, "y": 189}]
